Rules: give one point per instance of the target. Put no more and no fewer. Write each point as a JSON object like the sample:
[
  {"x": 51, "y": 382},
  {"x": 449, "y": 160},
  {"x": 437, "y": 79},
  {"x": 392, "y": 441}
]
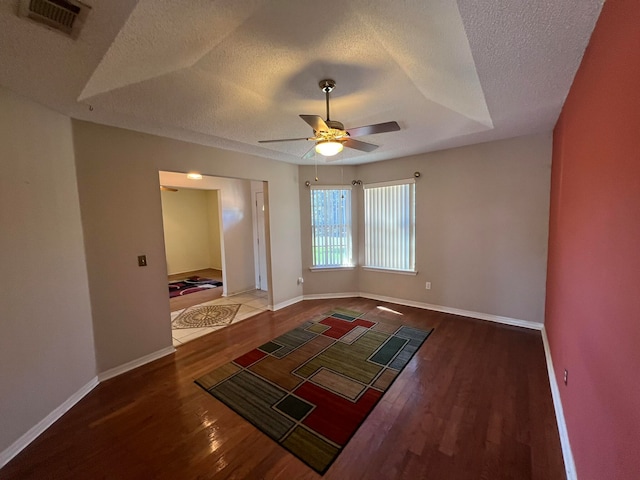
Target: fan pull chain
[{"x": 315, "y": 159}]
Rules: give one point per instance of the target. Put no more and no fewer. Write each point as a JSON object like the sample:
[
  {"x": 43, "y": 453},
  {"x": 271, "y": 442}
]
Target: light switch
[{"x": 142, "y": 260}]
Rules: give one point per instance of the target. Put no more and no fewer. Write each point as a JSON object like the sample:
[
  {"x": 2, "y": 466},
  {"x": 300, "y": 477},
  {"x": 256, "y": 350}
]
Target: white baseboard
[
  {"x": 45, "y": 423},
  {"x": 456, "y": 311},
  {"x": 324, "y": 296},
  {"x": 114, "y": 372},
  {"x": 569, "y": 464},
  {"x": 239, "y": 292},
  {"x": 286, "y": 303},
  {"x": 428, "y": 306}
]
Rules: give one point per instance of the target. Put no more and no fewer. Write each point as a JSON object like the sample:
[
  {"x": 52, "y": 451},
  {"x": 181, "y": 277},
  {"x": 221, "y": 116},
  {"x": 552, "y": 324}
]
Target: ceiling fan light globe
[{"x": 329, "y": 148}]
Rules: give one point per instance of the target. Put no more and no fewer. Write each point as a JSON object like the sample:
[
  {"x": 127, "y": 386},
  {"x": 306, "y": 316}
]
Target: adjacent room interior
[
  {"x": 201, "y": 215},
  {"x": 423, "y": 217}
]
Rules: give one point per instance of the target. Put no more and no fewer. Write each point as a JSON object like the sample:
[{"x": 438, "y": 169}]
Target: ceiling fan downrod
[{"x": 327, "y": 87}]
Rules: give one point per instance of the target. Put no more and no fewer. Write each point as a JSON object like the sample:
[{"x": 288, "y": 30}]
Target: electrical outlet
[
  {"x": 300, "y": 280},
  {"x": 142, "y": 260},
  {"x": 566, "y": 376},
  {"x": 427, "y": 285}
]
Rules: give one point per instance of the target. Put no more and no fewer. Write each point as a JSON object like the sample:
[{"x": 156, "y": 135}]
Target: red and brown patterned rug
[{"x": 311, "y": 388}]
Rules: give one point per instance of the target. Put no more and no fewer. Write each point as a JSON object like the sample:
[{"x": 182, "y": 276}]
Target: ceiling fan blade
[
  {"x": 310, "y": 153},
  {"x": 371, "y": 129},
  {"x": 284, "y": 140},
  {"x": 316, "y": 122},
  {"x": 358, "y": 145}
]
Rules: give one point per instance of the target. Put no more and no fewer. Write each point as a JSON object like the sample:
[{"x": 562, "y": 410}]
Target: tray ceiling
[{"x": 228, "y": 73}]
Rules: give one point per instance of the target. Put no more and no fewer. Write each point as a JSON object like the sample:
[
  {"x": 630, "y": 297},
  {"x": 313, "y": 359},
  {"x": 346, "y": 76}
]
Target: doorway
[
  {"x": 240, "y": 240},
  {"x": 261, "y": 249}
]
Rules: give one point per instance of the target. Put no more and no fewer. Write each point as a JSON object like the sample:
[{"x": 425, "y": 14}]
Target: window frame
[{"x": 346, "y": 224}]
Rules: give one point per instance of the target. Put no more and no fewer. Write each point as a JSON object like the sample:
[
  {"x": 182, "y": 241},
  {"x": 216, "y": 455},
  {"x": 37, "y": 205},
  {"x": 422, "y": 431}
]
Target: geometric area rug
[
  {"x": 311, "y": 388},
  {"x": 199, "y": 316}
]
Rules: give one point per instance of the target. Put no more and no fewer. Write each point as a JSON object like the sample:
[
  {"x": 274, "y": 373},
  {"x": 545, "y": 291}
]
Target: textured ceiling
[{"x": 228, "y": 73}]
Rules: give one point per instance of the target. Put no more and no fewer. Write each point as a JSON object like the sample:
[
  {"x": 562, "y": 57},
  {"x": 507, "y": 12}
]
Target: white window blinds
[{"x": 389, "y": 223}]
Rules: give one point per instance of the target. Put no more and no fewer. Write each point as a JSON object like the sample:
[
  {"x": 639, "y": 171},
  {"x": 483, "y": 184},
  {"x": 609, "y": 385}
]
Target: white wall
[
  {"x": 215, "y": 248},
  {"x": 187, "y": 235},
  {"x": 46, "y": 343},
  {"x": 481, "y": 235},
  {"x": 259, "y": 228},
  {"x": 121, "y": 212}
]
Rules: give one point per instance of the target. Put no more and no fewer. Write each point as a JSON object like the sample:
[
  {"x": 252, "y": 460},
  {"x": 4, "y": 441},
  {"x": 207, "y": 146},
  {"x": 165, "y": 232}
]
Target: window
[
  {"x": 389, "y": 225},
  {"x": 331, "y": 226}
]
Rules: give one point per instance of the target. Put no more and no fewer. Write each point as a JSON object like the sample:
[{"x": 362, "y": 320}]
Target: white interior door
[{"x": 262, "y": 250}]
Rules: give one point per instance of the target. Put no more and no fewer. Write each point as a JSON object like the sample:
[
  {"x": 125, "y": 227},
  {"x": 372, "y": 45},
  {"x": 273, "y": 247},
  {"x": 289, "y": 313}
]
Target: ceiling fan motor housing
[{"x": 334, "y": 124}]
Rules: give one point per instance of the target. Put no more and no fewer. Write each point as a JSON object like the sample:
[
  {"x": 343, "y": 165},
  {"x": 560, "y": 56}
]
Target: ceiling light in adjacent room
[
  {"x": 194, "y": 176},
  {"x": 329, "y": 148}
]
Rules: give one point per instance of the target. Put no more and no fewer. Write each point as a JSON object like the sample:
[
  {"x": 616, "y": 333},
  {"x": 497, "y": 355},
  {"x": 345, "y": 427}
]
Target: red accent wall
[{"x": 593, "y": 283}]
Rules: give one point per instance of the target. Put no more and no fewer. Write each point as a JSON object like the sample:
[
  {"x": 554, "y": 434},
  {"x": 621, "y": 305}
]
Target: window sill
[
  {"x": 389, "y": 270},
  {"x": 330, "y": 269}
]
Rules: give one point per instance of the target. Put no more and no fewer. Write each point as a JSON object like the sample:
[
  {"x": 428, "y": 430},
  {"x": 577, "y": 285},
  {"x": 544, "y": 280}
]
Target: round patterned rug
[{"x": 206, "y": 316}]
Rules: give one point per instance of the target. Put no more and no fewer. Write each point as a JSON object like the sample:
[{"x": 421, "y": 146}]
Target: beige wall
[
  {"x": 481, "y": 234},
  {"x": 187, "y": 231},
  {"x": 121, "y": 212},
  {"x": 46, "y": 343}
]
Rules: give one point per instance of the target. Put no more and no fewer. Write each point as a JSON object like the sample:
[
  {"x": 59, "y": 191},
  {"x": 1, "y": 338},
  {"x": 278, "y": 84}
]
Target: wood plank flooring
[{"x": 474, "y": 403}]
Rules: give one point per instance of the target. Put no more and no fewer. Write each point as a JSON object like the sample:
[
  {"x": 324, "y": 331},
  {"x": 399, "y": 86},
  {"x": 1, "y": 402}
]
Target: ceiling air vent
[{"x": 66, "y": 16}]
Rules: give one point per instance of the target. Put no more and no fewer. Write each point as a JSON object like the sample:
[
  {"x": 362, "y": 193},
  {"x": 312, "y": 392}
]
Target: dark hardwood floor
[
  {"x": 196, "y": 298},
  {"x": 474, "y": 403}
]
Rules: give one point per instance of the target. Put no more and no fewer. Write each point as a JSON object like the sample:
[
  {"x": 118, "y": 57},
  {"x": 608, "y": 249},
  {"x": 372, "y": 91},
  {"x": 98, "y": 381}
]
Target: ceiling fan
[{"x": 330, "y": 136}]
